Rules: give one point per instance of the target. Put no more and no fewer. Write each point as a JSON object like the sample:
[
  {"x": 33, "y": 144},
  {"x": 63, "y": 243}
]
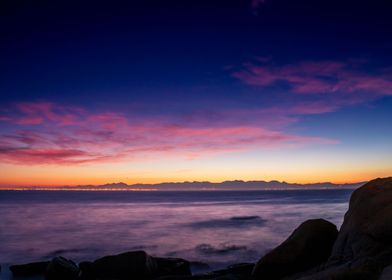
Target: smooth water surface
[{"x": 216, "y": 227}]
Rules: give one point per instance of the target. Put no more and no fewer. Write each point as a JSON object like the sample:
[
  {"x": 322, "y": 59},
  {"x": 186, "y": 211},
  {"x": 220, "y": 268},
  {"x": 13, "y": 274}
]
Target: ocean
[{"x": 218, "y": 228}]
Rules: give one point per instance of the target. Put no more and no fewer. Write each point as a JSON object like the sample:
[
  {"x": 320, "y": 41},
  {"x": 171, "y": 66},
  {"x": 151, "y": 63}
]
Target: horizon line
[{"x": 127, "y": 186}]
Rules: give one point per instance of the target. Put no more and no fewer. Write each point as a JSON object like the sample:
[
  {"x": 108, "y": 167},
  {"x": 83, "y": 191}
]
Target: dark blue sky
[
  {"x": 307, "y": 71},
  {"x": 134, "y": 48}
]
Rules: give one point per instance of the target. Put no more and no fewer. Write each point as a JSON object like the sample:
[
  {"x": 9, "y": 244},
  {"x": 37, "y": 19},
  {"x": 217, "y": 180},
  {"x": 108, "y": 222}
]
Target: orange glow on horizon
[
  {"x": 299, "y": 168},
  {"x": 75, "y": 181}
]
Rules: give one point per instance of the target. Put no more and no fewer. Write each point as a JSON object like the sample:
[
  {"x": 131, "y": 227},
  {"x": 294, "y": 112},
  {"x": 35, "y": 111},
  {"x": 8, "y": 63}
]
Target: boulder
[
  {"x": 366, "y": 232},
  {"x": 364, "y": 244},
  {"x": 129, "y": 265},
  {"x": 172, "y": 266},
  {"x": 61, "y": 268},
  {"x": 308, "y": 246},
  {"x": 29, "y": 269},
  {"x": 86, "y": 271},
  {"x": 386, "y": 273}
]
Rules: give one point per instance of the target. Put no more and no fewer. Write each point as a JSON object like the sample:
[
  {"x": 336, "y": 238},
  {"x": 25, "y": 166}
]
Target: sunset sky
[{"x": 95, "y": 92}]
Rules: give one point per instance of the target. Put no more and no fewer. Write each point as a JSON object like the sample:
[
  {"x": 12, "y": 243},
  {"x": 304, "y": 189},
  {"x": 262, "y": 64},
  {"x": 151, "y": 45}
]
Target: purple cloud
[
  {"x": 71, "y": 135},
  {"x": 317, "y": 77}
]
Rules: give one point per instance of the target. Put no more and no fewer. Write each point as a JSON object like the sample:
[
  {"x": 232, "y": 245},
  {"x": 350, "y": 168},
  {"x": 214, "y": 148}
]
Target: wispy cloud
[
  {"x": 318, "y": 77},
  {"x": 40, "y": 112},
  {"x": 48, "y": 133}
]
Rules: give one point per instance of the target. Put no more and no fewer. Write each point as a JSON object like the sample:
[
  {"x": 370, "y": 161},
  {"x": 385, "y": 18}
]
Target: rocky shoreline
[{"x": 316, "y": 250}]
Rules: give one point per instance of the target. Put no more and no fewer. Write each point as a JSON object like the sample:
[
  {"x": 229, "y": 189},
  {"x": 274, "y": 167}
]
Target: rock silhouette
[
  {"x": 137, "y": 264},
  {"x": 29, "y": 269},
  {"x": 367, "y": 228},
  {"x": 364, "y": 244},
  {"x": 309, "y": 245},
  {"x": 61, "y": 268}
]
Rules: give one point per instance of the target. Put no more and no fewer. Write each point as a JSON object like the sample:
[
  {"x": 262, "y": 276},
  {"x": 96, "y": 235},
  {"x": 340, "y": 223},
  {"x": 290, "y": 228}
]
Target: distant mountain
[{"x": 205, "y": 185}]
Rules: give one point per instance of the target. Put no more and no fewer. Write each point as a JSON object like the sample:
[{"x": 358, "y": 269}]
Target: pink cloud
[
  {"x": 5, "y": 119},
  {"x": 47, "y": 156},
  {"x": 35, "y": 113},
  {"x": 318, "y": 78},
  {"x": 30, "y": 120},
  {"x": 111, "y": 137}
]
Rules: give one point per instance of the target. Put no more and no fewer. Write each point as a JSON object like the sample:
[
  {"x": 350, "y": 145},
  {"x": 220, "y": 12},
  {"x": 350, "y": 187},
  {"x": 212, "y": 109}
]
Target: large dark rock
[
  {"x": 367, "y": 228},
  {"x": 129, "y": 265},
  {"x": 386, "y": 273},
  {"x": 308, "y": 246},
  {"x": 61, "y": 268},
  {"x": 29, "y": 269},
  {"x": 364, "y": 244},
  {"x": 86, "y": 271}
]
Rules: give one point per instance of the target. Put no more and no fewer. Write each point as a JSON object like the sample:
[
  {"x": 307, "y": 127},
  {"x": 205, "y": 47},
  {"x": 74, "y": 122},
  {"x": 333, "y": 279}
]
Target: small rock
[
  {"x": 172, "y": 266},
  {"x": 61, "y": 269},
  {"x": 129, "y": 265}
]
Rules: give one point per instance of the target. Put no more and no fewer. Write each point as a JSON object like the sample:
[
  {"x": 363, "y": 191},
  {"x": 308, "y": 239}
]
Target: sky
[{"x": 93, "y": 92}]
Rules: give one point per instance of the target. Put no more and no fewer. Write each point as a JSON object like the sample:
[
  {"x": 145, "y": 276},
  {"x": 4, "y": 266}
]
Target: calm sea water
[{"x": 216, "y": 227}]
